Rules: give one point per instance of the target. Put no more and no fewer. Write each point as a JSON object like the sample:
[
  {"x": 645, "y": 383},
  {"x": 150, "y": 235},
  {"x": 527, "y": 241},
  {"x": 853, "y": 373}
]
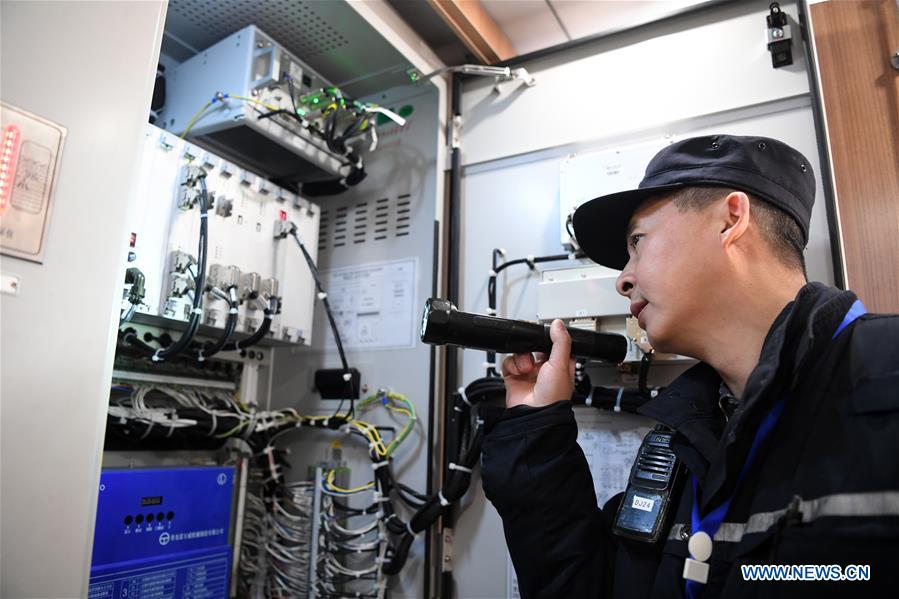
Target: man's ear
[{"x": 735, "y": 217}]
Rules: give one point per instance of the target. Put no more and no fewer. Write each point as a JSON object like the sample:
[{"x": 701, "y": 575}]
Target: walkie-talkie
[{"x": 655, "y": 478}]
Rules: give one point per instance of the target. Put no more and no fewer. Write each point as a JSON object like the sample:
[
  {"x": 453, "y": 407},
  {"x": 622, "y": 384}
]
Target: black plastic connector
[{"x": 331, "y": 383}]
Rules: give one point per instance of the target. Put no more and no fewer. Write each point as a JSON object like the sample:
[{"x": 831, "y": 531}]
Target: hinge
[
  {"x": 455, "y": 133},
  {"x": 447, "y": 565}
]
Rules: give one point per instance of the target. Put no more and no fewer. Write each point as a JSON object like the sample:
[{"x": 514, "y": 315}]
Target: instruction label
[{"x": 374, "y": 304}]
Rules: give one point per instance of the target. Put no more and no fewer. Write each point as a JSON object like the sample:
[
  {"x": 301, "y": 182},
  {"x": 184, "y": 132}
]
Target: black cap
[{"x": 766, "y": 168}]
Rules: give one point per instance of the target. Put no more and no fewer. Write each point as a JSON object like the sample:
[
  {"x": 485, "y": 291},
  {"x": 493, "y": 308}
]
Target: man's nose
[{"x": 625, "y": 282}]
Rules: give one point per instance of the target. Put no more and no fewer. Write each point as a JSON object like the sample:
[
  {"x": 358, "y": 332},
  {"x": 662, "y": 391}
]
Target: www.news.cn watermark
[{"x": 806, "y": 572}]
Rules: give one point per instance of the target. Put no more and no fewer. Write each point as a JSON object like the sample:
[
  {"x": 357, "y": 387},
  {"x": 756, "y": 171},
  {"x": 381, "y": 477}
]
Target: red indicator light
[
  {"x": 282, "y": 215},
  {"x": 9, "y": 157},
  {"x": 133, "y": 241}
]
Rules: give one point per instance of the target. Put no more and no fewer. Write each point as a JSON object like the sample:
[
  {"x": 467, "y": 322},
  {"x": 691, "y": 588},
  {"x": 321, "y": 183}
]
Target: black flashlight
[{"x": 443, "y": 324}]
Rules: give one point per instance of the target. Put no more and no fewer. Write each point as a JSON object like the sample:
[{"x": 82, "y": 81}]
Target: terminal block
[
  {"x": 180, "y": 285},
  {"x": 269, "y": 288},
  {"x": 224, "y": 207},
  {"x": 283, "y": 228},
  {"x": 250, "y": 285},
  {"x": 223, "y": 277},
  {"x": 181, "y": 261},
  {"x": 188, "y": 198},
  {"x": 191, "y": 174}
]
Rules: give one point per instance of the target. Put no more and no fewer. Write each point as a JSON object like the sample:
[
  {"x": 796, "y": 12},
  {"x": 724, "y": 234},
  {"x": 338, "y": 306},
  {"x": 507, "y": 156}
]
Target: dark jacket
[{"x": 823, "y": 490}]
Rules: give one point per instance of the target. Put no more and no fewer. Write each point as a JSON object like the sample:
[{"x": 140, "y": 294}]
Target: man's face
[{"x": 675, "y": 264}]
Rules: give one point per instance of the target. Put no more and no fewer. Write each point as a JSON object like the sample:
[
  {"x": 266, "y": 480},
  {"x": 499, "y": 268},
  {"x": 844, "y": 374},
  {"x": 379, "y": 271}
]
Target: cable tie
[
  {"x": 491, "y": 273},
  {"x": 409, "y": 528},
  {"x": 464, "y": 397},
  {"x": 454, "y": 466},
  {"x": 200, "y": 356},
  {"x": 491, "y": 312},
  {"x": 322, "y": 295},
  {"x": 492, "y": 365},
  {"x": 383, "y": 499},
  {"x": 589, "y": 401},
  {"x": 381, "y": 464},
  {"x": 479, "y": 421},
  {"x": 530, "y": 260},
  {"x": 457, "y": 408},
  {"x": 442, "y": 499},
  {"x": 232, "y": 311},
  {"x": 617, "y": 407},
  {"x": 204, "y": 215},
  {"x": 347, "y": 376},
  {"x": 197, "y": 311},
  {"x": 157, "y": 357},
  {"x": 572, "y": 256},
  {"x": 390, "y": 517}
]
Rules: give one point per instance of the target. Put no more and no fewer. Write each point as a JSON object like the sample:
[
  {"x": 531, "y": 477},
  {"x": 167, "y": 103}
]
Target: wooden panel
[
  {"x": 476, "y": 29},
  {"x": 854, "y": 41}
]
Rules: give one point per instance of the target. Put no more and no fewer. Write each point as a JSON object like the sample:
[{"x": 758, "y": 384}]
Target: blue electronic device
[{"x": 163, "y": 533}]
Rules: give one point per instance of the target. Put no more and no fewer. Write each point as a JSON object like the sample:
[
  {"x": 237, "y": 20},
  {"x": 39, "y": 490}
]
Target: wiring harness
[{"x": 326, "y": 116}]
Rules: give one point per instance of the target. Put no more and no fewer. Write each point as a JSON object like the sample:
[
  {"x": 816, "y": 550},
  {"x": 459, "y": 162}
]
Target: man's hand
[{"x": 541, "y": 382}]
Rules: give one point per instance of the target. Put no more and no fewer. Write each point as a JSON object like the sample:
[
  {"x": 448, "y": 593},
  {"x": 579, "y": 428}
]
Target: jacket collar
[{"x": 714, "y": 450}]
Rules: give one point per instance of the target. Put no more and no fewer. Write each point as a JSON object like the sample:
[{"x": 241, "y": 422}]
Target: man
[{"x": 788, "y": 428}]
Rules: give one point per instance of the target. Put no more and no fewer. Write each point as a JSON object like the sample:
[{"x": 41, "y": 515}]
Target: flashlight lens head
[{"x": 435, "y": 319}]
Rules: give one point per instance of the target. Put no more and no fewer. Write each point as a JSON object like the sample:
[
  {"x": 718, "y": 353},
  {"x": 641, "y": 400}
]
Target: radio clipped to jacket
[{"x": 643, "y": 514}]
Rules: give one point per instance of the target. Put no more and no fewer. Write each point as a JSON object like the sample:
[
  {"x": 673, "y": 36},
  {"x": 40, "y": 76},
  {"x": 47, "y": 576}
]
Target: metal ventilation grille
[
  {"x": 365, "y": 222},
  {"x": 293, "y": 23}
]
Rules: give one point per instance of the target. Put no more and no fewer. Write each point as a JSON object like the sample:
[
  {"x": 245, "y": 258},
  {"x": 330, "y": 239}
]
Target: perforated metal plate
[{"x": 329, "y": 36}]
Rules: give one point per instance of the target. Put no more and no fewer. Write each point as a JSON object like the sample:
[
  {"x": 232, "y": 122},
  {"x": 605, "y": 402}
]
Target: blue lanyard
[{"x": 712, "y": 521}]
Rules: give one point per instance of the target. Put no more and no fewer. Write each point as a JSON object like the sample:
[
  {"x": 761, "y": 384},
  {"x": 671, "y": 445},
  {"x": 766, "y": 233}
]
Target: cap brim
[{"x": 600, "y": 225}]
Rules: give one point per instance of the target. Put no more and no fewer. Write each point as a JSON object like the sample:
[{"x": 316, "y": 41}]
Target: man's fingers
[
  {"x": 524, "y": 362},
  {"x": 560, "y": 355},
  {"x": 518, "y": 364},
  {"x": 508, "y": 367}
]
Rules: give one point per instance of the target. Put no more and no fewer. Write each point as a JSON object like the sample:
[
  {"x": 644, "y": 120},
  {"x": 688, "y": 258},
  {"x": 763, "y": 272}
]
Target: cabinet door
[{"x": 854, "y": 41}]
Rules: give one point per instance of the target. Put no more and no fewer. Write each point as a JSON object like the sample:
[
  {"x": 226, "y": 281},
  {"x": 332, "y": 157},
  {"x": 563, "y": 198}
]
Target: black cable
[
  {"x": 352, "y": 129},
  {"x": 210, "y": 349},
  {"x": 193, "y": 323},
  {"x": 264, "y": 327},
  {"x": 323, "y": 296},
  {"x": 476, "y": 410},
  {"x": 643, "y": 375},
  {"x": 293, "y": 97}
]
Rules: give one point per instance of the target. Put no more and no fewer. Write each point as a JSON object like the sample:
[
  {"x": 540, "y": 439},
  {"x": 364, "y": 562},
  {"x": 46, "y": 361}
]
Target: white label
[
  {"x": 30, "y": 149},
  {"x": 374, "y": 304},
  {"x": 643, "y": 503},
  {"x": 610, "y": 446}
]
